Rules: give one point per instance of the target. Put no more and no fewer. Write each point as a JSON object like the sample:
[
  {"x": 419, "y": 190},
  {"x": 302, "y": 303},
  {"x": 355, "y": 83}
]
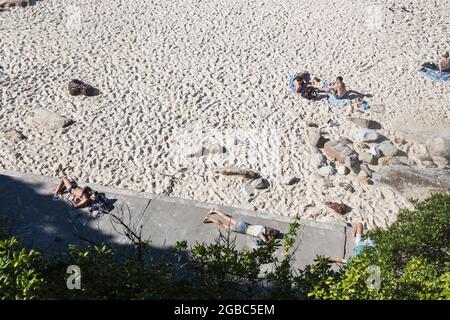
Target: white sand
[{"x": 167, "y": 68}]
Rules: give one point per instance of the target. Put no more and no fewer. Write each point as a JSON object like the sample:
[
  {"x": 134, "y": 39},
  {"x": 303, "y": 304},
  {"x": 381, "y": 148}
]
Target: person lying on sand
[
  {"x": 261, "y": 232},
  {"x": 444, "y": 63},
  {"x": 337, "y": 88},
  {"x": 81, "y": 197},
  {"x": 360, "y": 243}
]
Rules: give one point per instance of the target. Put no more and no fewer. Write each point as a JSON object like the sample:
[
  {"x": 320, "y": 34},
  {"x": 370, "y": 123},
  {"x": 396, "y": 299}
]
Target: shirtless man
[
  {"x": 444, "y": 64},
  {"x": 337, "y": 88},
  {"x": 81, "y": 197}
]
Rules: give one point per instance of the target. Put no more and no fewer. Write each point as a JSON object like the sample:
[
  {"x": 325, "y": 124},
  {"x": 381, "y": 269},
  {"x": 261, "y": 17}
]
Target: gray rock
[
  {"x": 260, "y": 183},
  {"x": 335, "y": 150},
  {"x": 13, "y": 135},
  {"x": 439, "y": 147},
  {"x": 318, "y": 160},
  {"x": 326, "y": 171},
  {"x": 387, "y": 149},
  {"x": 368, "y": 135},
  {"x": 316, "y": 139},
  {"x": 365, "y": 171},
  {"x": 398, "y": 160},
  {"x": 365, "y": 123},
  {"x": 343, "y": 170},
  {"x": 290, "y": 180},
  {"x": 352, "y": 162},
  {"x": 14, "y": 3},
  {"x": 441, "y": 162},
  {"x": 49, "y": 120},
  {"x": 414, "y": 182},
  {"x": 367, "y": 158},
  {"x": 428, "y": 164},
  {"x": 347, "y": 187}
]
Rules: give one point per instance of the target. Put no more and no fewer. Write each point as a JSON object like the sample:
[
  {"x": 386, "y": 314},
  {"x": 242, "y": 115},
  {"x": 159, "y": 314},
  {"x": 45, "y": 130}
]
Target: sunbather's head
[
  {"x": 340, "y": 79},
  {"x": 272, "y": 233},
  {"x": 446, "y": 55}
]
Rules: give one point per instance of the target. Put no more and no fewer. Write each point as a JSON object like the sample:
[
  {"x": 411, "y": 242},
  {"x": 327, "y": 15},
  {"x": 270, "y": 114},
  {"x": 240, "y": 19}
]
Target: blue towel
[
  {"x": 291, "y": 83},
  {"x": 434, "y": 75},
  {"x": 335, "y": 102}
]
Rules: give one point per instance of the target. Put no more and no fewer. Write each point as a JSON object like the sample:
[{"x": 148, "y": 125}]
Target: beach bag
[{"x": 101, "y": 206}]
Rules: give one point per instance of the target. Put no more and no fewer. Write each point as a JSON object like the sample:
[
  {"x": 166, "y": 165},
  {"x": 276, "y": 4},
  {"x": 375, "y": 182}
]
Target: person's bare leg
[
  {"x": 358, "y": 229},
  {"x": 220, "y": 223},
  {"x": 64, "y": 184},
  {"x": 227, "y": 218}
]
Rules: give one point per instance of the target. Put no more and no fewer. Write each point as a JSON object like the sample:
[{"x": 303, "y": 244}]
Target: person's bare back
[{"x": 444, "y": 64}]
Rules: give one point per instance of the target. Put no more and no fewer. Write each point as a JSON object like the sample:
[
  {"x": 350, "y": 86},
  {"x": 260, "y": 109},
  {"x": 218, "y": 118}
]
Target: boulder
[
  {"x": 352, "y": 162},
  {"x": 338, "y": 207},
  {"x": 78, "y": 87},
  {"x": 260, "y": 183},
  {"x": 317, "y": 160},
  {"x": 439, "y": 147},
  {"x": 290, "y": 180},
  {"x": 427, "y": 164},
  {"x": 14, "y": 3},
  {"x": 368, "y": 135},
  {"x": 414, "y": 182},
  {"x": 337, "y": 151},
  {"x": 342, "y": 170},
  {"x": 387, "y": 149},
  {"x": 365, "y": 181},
  {"x": 365, "y": 171},
  {"x": 316, "y": 139},
  {"x": 13, "y": 135},
  {"x": 347, "y": 187},
  {"x": 310, "y": 124},
  {"x": 49, "y": 120},
  {"x": 326, "y": 171},
  {"x": 398, "y": 160},
  {"x": 365, "y": 123},
  {"x": 367, "y": 158},
  {"x": 441, "y": 162}
]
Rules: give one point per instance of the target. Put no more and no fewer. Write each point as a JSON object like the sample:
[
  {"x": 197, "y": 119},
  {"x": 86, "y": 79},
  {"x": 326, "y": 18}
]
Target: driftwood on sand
[{"x": 230, "y": 171}]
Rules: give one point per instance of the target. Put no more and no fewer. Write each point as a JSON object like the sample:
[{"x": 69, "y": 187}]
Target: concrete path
[{"x": 26, "y": 202}]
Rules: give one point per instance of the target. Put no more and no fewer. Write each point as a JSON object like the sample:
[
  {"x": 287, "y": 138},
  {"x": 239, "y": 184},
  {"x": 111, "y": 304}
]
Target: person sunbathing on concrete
[
  {"x": 260, "y": 232},
  {"x": 79, "y": 197},
  {"x": 360, "y": 243},
  {"x": 337, "y": 88}
]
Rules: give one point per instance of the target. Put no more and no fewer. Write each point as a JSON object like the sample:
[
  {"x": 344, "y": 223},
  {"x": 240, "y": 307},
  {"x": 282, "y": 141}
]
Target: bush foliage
[{"x": 410, "y": 261}]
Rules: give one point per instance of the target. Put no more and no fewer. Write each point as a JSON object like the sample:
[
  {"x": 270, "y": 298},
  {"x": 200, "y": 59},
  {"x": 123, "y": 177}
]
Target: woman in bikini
[
  {"x": 240, "y": 226},
  {"x": 80, "y": 197}
]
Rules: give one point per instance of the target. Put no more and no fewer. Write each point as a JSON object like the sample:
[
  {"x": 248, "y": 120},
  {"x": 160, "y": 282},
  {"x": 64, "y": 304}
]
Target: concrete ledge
[{"x": 164, "y": 220}]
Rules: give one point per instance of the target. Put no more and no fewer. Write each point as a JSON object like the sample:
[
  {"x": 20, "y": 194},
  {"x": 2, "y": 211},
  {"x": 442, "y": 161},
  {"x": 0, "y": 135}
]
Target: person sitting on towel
[
  {"x": 444, "y": 64},
  {"x": 301, "y": 82},
  {"x": 337, "y": 88}
]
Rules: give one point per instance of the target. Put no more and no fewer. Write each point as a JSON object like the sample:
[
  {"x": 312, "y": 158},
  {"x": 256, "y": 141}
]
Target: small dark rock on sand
[
  {"x": 338, "y": 207},
  {"x": 77, "y": 87}
]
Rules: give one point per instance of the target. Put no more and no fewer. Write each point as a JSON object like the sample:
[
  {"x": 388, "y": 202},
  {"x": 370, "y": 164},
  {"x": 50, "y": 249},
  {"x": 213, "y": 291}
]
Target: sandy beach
[{"x": 176, "y": 76}]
